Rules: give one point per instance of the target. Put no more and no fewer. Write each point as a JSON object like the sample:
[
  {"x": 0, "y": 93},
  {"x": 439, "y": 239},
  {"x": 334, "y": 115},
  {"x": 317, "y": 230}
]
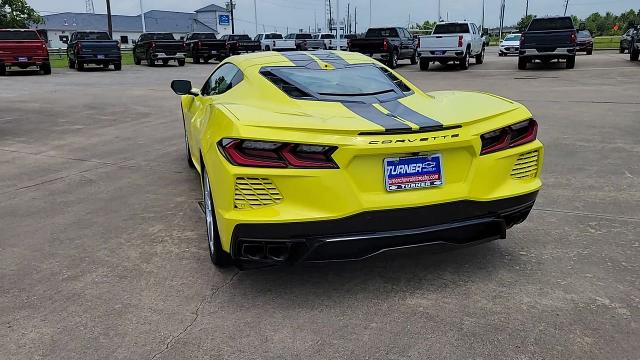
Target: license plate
[
  {"x": 413, "y": 172},
  {"x": 213, "y": 52},
  {"x": 100, "y": 56},
  {"x": 439, "y": 52},
  {"x": 23, "y": 59}
]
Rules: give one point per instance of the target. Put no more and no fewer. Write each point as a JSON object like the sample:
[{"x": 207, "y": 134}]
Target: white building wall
[{"x": 210, "y": 18}]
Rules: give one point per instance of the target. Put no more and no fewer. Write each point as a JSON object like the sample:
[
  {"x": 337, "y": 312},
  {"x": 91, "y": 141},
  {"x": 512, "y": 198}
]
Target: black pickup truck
[
  {"x": 238, "y": 44},
  {"x": 153, "y": 47},
  {"x": 546, "y": 39},
  {"x": 634, "y": 46},
  {"x": 204, "y": 47},
  {"x": 387, "y": 44},
  {"x": 93, "y": 47}
]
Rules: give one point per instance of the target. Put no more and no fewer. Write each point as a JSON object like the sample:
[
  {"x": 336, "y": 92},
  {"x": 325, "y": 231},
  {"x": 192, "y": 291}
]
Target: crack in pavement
[
  {"x": 606, "y": 216},
  {"x": 195, "y": 318}
]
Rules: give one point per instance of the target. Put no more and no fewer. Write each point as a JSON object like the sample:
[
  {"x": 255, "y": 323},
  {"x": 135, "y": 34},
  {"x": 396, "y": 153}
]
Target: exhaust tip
[
  {"x": 278, "y": 252},
  {"x": 253, "y": 251}
]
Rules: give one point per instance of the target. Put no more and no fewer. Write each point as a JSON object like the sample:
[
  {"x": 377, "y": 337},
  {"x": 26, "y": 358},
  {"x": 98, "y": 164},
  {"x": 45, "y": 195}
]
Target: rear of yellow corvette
[{"x": 302, "y": 180}]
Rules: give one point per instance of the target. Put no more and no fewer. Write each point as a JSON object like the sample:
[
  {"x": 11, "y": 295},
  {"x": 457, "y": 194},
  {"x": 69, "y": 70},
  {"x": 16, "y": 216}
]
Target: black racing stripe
[
  {"x": 301, "y": 59},
  {"x": 399, "y": 109},
  {"x": 374, "y": 115},
  {"x": 330, "y": 58}
]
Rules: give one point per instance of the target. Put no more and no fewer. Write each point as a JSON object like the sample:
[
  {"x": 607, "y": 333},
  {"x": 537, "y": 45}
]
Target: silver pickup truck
[{"x": 305, "y": 41}]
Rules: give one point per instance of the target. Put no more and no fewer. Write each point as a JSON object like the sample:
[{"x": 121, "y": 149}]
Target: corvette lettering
[{"x": 424, "y": 139}]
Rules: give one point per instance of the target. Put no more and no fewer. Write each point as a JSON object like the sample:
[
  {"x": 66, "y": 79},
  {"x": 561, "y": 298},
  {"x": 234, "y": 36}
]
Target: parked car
[
  {"x": 440, "y": 170},
  {"x": 159, "y": 46},
  {"x": 305, "y": 41},
  {"x": 331, "y": 42},
  {"x": 625, "y": 39},
  {"x": 239, "y": 44},
  {"x": 547, "y": 39},
  {"x": 275, "y": 42},
  {"x": 23, "y": 49},
  {"x": 389, "y": 44},
  {"x": 452, "y": 42},
  {"x": 93, "y": 47},
  {"x": 510, "y": 45},
  {"x": 584, "y": 42},
  {"x": 634, "y": 46},
  {"x": 204, "y": 46}
]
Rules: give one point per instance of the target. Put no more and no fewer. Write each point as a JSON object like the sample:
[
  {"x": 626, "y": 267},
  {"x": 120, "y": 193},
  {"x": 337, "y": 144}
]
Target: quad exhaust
[{"x": 266, "y": 252}]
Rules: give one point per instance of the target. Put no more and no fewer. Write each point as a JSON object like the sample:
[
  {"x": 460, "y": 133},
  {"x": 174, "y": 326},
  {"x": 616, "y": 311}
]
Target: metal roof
[
  {"x": 155, "y": 21},
  {"x": 212, "y": 8}
]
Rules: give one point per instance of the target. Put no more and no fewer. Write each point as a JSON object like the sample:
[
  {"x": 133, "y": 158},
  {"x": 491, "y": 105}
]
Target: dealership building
[{"x": 127, "y": 29}]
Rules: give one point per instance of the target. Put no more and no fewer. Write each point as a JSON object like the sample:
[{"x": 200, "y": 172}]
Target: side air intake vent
[
  {"x": 251, "y": 193},
  {"x": 526, "y": 167}
]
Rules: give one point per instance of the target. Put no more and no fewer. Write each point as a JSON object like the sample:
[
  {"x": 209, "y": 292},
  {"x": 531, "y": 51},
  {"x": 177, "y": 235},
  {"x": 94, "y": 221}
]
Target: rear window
[
  {"x": 239, "y": 37},
  {"x": 512, "y": 38},
  {"x": 584, "y": 34},
  {"x": 386, "y": 32},
  {"x": 304, "y": 36},
  {"x": 327, "y": 36},
  {"x": 273, "y": 36},
  {"x": 18, "y": 35},
  {"x": 361, "y": 80},
  {"x": 92, "y": 36},
  {"x": 562, "y": 23},
  {"x": 204, "y": 36},
  {"x": 451, "y": 29},
  {"x": 161, "y": 36}
]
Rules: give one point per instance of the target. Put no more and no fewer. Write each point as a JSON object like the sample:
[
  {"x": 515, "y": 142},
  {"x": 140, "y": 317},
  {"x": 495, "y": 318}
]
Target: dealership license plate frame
[
  {"x": 437, "y": 168},
  {"x": 23, "y": 59},
  {"x": 439, "y": 53},
  {"x": 101, "y": 57}
]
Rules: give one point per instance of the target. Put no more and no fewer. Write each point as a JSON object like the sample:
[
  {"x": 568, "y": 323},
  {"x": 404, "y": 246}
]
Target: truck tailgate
[
  {"x": 89, "y": 47},
  {"x": 14, "y": 48},
  {"x": 548, "y": 40},
  {"x": 169, "y": 47},
  {"x": 439, "y": 42},
  {"x": 368, "y": 46}
]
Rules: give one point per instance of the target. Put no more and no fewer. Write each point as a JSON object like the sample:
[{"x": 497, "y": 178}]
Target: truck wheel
[
  {"x": 106, "y": 66},
  {"x": 267, "y": 48},
  {"x": 393, "y": 59},
  {"x": 414, "y": 57},
  {"x": 181, "y": 62},
  {"x": 634, "y": 54},
  {"x": 522, "y": 63},
  {"x": 480, "y": 57},
  {"x": 424, "y": 64},
  {"x": 464, "y": 63},
  {"x": 590, "y": 52},
  {"x": 136, "y": 60},
  {"x": 150, "y": 60},
  {"x": 571, "y": 62},
  {"x": 196, "y": 59},
  {"x": 79, "y": 66},
  {"x": 46, "y": 68},
  {"x": 3, "y": 69},
  {"x": 72, "y": 64},
  {"x": 117, "y": 66}
]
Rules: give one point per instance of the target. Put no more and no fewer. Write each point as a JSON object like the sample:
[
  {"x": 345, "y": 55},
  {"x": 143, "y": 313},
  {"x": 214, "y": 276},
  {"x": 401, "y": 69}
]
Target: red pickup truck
[{"x": 23, "y": 49}]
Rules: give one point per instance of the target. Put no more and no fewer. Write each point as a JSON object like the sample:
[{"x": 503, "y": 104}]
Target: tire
[
  {"x": 105, "y": 66},
  {"x": 46, "y": 68},
  {"x": 206, "y": 60},
  {"x": 136, "y": 60},
  {"x": 72, "y": 64},
  {"x": 571, "y": 62},
  {"x": 634, "y": 54},
  {"x": 393, "y": 60},
  {"x": 187, "y": 148},
  {"x": 424, "y": 64},
  {"x": 500, "y": 54},
  {"x": 590, "y": 52},
  {"x": 414, "y": 57},
  {"x": 218, "y": 256},
  {"x": 480, "y": 57},
  {"x": 464, "y": 63},
  {"x": 150, "y": 61},
  {"x": 181, "y": 62},
  {"x": 165, "y": 62},
  {"x": 117, "y": 66},
  {"x": 3, "y": 69},
  {"x": 621, "y": 49},
  {"x": 522, "y": 63},
  {"x": 267, "y": 48},
  {"x": 79, "y": 66},
  {"x": 196, "y": 59}
]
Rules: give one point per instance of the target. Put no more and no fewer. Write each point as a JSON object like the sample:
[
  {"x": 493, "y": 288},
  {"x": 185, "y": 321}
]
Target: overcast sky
[{"x": 300, "y": 13}]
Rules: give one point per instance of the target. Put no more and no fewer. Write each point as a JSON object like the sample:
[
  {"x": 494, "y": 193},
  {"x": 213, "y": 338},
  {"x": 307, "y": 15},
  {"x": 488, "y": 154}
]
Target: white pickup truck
[
  {"x": 330, "y": 41},
  {"x": 452, "y": 42},
  {"x": 275, "y": 42}
]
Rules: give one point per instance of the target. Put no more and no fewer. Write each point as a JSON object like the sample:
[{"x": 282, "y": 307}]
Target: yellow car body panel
[{"x": 258, "y": 110}]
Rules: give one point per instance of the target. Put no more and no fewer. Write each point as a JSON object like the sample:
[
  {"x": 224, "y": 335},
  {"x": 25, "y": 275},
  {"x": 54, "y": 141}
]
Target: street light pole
[
  {"x": 566, "y": 5},
  {"x": 526, "y": 10},
  {"x": 144, "y": 28},
  {"x": 109, "y": 23},
  {"x": 255, "y": 14}
]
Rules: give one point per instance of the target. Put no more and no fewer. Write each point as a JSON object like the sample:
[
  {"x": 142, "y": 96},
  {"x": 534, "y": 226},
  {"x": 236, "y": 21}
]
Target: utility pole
[
  {"x": 315, "y": 21},
  {"x": 502, "y": 6},
  {"x": 233, "y": 20},
  {"x": 566, "y": 5},
  {"x": 109, "y": 23},
  {"x": 255, "y": 14},
  {"x": 526, "y": 9},
  {"x": 439, "y": 12},
  {"x": 144, "y": 28},
  {"x": 338, "y": 18},
  {"x": 370, "y": 12},
  {"x": 330, "y": 18},
  {"x": 482, "y": 22},
  {"x": 348, "y": 24},
  {"x": 89, "y": 7},
  {"x": 355, "y": 20}
]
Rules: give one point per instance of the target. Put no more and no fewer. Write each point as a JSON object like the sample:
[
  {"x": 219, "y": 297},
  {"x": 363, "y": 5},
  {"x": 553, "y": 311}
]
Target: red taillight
[
  {"x": 273, "y": 43},
  {"x": 460, "y": 37},
  {"x": 199, "y": 44},
  {"x": 153, "y": 45},
  {"x": 521, "y": 40},
  {"x": 386, "y": 44},
  {"x": 509, "y": 137},
  {"x": 574, "y": 38},
  {"x": 277, "y": 155}
]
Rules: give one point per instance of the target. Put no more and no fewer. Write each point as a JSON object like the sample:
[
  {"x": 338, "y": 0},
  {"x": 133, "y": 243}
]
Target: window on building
[
  {"x": 124, "y": 39},
  {"x": 64, "y": 39}
]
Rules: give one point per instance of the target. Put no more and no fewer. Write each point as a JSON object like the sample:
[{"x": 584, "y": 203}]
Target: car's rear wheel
[
  {"x": 117, "y": 66},
  {"x": 181, "y": 62},
  {"x": 522, "y": 63},
  {"x": 480, "y": 57},
  {"x": 621, "y": 49},
  {"x": 414, "y": 57},
  {"x": 165, "y": 62},
  {"x": 571, "y": 62},
  {"x": 136, "y": 60},
  {"x": 46, "y": 68},
  {"x": 465, "y": 62},
  {"x": 393, "y": 60},
  {"x": 634, "y": 54},
  {"x": 79, "y": 66},
  {"x": 72, "y": 64},
  {"x": 218, "y": 256},
  {"x": 590, "y": 52},
  {"x": 424, "y": 64},
  {"x": 105, "y": 66},
  {"x": 196, "y": 59},
  {"x": 150, "y": 60},
  {"x": 3, "y": 69}
]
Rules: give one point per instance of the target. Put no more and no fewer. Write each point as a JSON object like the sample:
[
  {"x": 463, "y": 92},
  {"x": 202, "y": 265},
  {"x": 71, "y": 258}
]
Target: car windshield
[
  {"x": 93, "y": 36},
  {"x": 515, "y": 37},
  {"x": 161, "y": 36},
  {"x": 304, "y": 36},
  {"x": 584, "y": 34},
  {"x": 361, "y": 80},
  {"x": 561, "y": 23},
  {"x": 18, "y": 35},
  {"x": 328, "y": 36},
  {"x": 451, "y": 29},
  {"x": 204, "y": 36},
  {"x": 377, "y": 33},
  {"x": 273, "y": 36},
  {"x": 239, "y": 37}
]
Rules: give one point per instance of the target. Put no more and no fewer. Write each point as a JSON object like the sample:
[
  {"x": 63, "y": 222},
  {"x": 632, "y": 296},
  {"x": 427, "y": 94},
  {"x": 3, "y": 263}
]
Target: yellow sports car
[{"x": 331, "y": 156}]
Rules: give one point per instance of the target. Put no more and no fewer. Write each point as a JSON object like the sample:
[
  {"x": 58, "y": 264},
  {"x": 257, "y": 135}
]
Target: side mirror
[
  {"x": 65, "y": 41},
  {"x": 183, "y": 87},
  {"x": 485, "y": 32},
  {"x": 182, "y": 38}
]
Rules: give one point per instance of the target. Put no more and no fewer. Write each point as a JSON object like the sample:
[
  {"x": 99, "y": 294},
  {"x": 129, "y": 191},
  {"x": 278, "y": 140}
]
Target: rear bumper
[
  {"x": 99, "y": 59},
  {"x": 205, "y": 53},
  {"x": 163, "y": 56},
  {"x": 510, "y": 50},
  {"x": 557, "y": 53},
  {"x": 441, "y": 226},
  {"x": 31, "y": 61},
  {"x": 584, "y": 47},
  {"x": 436, "y": 55}
]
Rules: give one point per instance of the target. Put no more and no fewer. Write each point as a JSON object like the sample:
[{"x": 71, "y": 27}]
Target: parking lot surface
[{"x": 103, "y": 252}]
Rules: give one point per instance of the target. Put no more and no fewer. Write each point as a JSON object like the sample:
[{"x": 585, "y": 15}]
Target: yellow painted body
[{"x": 256, "y": 109}]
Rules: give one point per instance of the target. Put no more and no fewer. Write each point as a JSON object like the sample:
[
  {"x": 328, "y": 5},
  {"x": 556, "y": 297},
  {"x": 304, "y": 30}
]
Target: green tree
[
  {"x": 17, "y": 14},
  {"x": 523, "y": 24}
]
